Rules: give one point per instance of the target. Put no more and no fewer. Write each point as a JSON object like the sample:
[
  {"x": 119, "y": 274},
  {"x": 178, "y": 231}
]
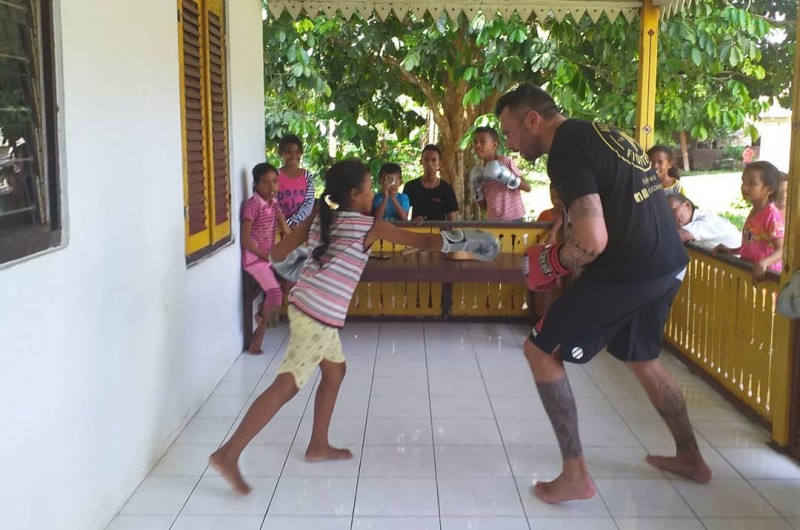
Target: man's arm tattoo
[
  {"x": 578, "y": 249},
  {"x": 574, "y": 256}
]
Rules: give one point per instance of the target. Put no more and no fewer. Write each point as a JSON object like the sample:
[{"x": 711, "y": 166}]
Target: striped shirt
[
  {"x": 326, "y": 287},
  {"x": 503, "y": 204},
  {"x": 264, "y": 215}
]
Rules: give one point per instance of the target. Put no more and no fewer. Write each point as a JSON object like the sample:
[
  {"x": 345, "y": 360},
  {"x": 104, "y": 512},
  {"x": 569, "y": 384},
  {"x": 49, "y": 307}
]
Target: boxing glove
[
  {"x": 496, "y": 171},
  {"x": 788, "y": 303},
  {"x": 290, "y": 268},
  {"x": 482, "y": 244},
  {"x": 541, "y": 267},
  {"x": 476, "y": 182}
]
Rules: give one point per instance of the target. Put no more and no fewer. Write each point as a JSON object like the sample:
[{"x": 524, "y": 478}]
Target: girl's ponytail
[
  {"x": 340, "y": 180},
  {"x": 325, "y": 221}
]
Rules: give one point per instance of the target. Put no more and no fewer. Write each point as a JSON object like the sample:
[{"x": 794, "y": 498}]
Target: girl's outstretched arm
[
  {"x": 762, "y": 266},
  {"x": 722, "y": 249},
  {"x": 294, "y": 239},
  {"x": 386, "y": 230},
  {"x": 483, "y": 245}
]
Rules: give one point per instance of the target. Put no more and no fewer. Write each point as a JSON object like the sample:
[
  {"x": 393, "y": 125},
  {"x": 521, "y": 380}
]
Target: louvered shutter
[
  {"x": 217, "y": 105},
  {"x": 193, "y": 115}
]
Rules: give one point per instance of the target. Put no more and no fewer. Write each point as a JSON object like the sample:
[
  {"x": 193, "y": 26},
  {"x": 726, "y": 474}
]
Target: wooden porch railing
[
  {"x": 426, "y": 284},
  {"x": 720, "y": 322},
  {"x": 728, "y": 328}
]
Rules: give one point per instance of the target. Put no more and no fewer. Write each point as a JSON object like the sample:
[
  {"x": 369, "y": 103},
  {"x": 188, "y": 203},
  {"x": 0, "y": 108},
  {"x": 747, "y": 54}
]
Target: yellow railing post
[
  {"x": 646, "y": 86},
  {"x": 782, "y": 372}
]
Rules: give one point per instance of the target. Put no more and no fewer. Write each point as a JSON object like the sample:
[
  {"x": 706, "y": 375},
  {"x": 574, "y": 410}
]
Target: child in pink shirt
[
  {"x": 261, "y": 217},
  {"x": 762, "y": 236},
  {"x": 296, "y": 191}
]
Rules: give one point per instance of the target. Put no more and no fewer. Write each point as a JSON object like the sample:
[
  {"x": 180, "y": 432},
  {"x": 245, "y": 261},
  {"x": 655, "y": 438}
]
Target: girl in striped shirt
[
  {"x": 261, "y": 218},
  {"x": 340, "y": 240}
]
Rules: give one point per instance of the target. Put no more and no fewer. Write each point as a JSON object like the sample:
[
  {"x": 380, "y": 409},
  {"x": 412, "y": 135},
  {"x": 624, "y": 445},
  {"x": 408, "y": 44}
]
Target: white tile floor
[{"x": 448, "y": 434}]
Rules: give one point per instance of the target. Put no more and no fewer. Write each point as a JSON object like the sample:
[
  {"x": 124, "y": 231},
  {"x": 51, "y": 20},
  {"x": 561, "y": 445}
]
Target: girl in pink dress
[
  {"x": 296, "y": 185},
  {"x": 261, "y": 218},
  {"x": 762, "y": 236}
]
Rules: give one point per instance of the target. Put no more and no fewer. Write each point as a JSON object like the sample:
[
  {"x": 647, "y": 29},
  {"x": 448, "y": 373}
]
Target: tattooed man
[{"x": 632, "y": 262}]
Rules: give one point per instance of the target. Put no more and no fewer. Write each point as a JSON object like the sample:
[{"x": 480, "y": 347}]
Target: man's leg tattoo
[
  {"x": 559, "y": 403},
  {"x": 672, "y": 407}
]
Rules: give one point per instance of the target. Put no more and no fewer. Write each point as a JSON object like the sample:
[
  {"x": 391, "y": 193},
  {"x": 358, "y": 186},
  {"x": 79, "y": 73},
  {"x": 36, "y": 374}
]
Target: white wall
[
  {"x": 111, "y": 344},
  {"x": 775, "y": 128}
]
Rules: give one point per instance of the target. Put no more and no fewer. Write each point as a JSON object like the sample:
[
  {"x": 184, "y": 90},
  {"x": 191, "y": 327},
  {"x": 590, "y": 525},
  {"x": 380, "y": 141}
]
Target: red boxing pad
[{"x": 542, "y": 268}]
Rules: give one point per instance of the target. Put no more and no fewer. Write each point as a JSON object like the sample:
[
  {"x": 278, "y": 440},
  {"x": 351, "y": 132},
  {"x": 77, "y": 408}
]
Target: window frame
[
  {"x": 215, "y": 233},
  {"x": 28, "y": 241}
]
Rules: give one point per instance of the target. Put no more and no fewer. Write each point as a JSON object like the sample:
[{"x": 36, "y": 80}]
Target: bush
[
  {"x": 736, "y": 218},
  {"x": 733, "y": 151}
]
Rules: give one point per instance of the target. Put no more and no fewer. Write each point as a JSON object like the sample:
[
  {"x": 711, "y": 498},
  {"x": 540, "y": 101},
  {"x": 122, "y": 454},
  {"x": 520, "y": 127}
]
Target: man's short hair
[{"x": 527, "y": 97}]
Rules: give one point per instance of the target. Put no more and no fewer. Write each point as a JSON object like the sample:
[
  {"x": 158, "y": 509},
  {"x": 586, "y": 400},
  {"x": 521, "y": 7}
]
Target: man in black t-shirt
[
  {"x": 623, "y": 240},
  {"x": 431, "y": 198}
]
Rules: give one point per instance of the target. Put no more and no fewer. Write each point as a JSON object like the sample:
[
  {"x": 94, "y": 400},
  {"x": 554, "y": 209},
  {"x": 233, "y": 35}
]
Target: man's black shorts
[{"x": 628, "y": 318}]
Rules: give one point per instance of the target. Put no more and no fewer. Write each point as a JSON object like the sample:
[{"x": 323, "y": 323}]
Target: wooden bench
[
  {"x": 435, "y": 267},
  {"x": 439, "y": 276}
]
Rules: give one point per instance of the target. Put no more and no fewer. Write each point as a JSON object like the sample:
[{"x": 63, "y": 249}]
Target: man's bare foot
[
  {"x": 314, "y": 454},
  {"x": 564, "y": 489},
  {"x": 230, "y": 472},
  {"x": 688, "y": 466}
]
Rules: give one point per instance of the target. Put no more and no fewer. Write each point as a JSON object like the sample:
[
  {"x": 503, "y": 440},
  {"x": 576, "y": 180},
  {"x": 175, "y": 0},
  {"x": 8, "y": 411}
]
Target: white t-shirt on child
[{"x": 709, "y": 230}]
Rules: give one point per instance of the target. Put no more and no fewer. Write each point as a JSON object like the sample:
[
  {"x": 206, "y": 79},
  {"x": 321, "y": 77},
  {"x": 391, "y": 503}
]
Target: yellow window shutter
[
  {"x": 196, "y": 170},
  {"x": 217, "y": 124}
]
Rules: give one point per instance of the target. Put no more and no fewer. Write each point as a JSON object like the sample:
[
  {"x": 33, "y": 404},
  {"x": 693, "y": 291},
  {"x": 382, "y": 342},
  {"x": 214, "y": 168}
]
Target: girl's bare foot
[
  {"x": 319, "y": 454},
  {"x": 256, "y": 340},
  {"x": 564, "y": 489},
  {"x": 687, "y": 465},
  {"x": 229, "y": 471}
]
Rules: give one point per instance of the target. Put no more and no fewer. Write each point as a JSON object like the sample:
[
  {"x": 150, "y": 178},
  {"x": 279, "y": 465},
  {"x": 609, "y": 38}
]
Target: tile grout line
[
  {"x": 641, "y": 442},
  {"x": 224, "y": 436},
  {"x": 433, "y": 432},
  {"x": 499, "y": 432},
  {"x": 241, "y": 413},
  {"x": 288, "y": 453},
  {"x": 366, "y": 421}
]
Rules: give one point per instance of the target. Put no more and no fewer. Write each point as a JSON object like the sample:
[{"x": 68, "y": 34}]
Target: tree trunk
[
  {"x": 454, "y": 120},
  {"x": 684, "y": 151}
]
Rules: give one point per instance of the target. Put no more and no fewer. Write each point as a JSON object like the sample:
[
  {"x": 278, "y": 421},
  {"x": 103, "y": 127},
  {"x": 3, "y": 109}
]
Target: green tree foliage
[
  {"x": 355, "y": 86},
  {"x": 366, "y": 77},
  {"x": 711, "y": 71}
]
